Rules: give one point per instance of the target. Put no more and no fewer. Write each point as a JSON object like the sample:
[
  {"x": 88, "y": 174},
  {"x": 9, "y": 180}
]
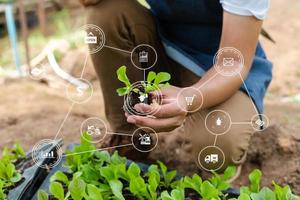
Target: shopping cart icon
[{"x": 189, "y": 100}]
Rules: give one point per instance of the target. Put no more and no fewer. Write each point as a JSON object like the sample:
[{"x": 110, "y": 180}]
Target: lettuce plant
[{"x": 153, "y": 82}]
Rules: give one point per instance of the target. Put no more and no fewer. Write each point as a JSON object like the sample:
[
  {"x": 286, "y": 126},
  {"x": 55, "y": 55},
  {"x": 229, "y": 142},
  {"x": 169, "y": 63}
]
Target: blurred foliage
[
  {"x": 6, "y": 1},
  {"x": 59, "y": 25}
]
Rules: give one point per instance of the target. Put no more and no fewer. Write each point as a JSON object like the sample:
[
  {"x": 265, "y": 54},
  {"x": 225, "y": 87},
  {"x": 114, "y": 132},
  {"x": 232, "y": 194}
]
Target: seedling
[{"x": 141, "y": 92}]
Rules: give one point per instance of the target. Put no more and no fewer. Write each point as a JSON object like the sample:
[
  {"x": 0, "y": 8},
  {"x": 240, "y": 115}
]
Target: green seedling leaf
[
  {"x": 117, "y": 159},
  {"x": 116, "y": 187},
  {"x": 103, "y": 156},
  {"x": 57, "y": 190},
  {"x": 208, "y": 191},
  {"x": 94, "y": 193},
  {"x": 244, "y": 197},
  {"x": 161, "y": 77},
  {"x": 122, "y": 91},
  {"x": 42, "y": 195},
  {"x": 61, "y": 177},
  {"x": 284, "y": 193},
  {"x": 264, "y": 194},
  {"x": 77, "y": 188},
  {"x": 18, "y": 151},
  {"x": 133, "y": 170},
  {"x": 121, "y": 73},
  {"x": 2, "y": 193},
  {"x": 168, "y": 176},
  {"x": 151, "y": 76},
  {"x": 229, "y": 173},
  {"x": 255, "y": 178},
  {"x": 176, "y": 194}
]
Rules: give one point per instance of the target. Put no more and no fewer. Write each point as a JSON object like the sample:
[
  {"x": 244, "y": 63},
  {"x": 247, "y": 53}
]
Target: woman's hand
[{"x": 167, "y": 117}]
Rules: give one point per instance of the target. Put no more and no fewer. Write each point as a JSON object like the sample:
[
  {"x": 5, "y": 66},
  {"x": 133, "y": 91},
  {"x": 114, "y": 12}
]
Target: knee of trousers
[
  {"x": 233, "y": 145},
  {"x": 123, "y": 22}
]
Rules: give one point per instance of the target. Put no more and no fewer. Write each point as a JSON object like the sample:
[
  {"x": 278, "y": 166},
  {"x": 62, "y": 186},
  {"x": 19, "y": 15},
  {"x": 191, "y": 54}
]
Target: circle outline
[
  {"x": 211, "y": 170},
  {"x": 35, "y": 148},
  {"x": 153, "y": 131},
  {"x": 190, "y": 111},
  {"x": 147, "y": 45},
  {"x": 97, "y": 118},
  {"x": 131, "y": 110},
  {"x": 84, "y": 28},
  {"x": 264, "y": 126},
  {"x": 218, "y": 110},
  {"x": 216, "y": 66},
  {"x": 86, "y": 82}
]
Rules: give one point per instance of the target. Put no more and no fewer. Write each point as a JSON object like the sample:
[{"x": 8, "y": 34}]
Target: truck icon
[{"x": 212, "y": 158}]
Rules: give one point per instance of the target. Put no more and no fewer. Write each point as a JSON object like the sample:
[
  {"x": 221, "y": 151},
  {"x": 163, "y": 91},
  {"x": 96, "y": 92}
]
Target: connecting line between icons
[
  {"x": 123, "y": 134},
  {"x": 144, "y": 75},
  {"x": 239, "y": 123},
  {"x": 215, "y": 142},
  {"x": 248, "y": 93},
  {"x": 101, "y": 149},
  {"x": 114, "y": 48},
  {"x": 65, "y": 119},
  {"x": 85, "y": 62}
]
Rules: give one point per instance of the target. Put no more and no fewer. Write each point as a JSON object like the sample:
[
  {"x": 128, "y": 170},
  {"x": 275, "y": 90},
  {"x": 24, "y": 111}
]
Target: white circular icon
[
  {"x": 211, "y": 158},
  {"x": 187, "y": 97},
  {"x": 143, "y": 56},
  {"x": 38, "y": 72},
  {"x": 81, "y": 92},
  {"x": 260, "y": 122},
  {"x": 93, "y": 130},
  {"x": 94, "y": 37},
  {"x": 138, "y": 94},
  {"x": 218, "y": 122},
  {"x": 46, "y": 154},
  {"x": 144, "y": 139},
  {"x": 228, "y": 61}
]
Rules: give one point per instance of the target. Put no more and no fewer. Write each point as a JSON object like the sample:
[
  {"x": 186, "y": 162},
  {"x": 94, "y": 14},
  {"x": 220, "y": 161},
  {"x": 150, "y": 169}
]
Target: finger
[
  {"x": 162, "y": 111},
  {"x": 159, "y": 125}
]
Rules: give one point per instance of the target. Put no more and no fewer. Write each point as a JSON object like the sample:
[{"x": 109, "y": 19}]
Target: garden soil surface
[{"x": 35, "y": 110}]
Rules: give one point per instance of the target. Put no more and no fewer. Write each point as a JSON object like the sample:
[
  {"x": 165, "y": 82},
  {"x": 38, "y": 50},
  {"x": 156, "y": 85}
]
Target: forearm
[{"x": 214, "y": 86}]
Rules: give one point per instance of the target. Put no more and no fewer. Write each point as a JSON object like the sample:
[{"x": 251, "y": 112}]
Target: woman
[{"x": 210, "y": 48}]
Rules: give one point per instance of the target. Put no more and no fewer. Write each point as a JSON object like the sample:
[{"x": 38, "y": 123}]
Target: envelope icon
[{"x": 228, "y": 62}]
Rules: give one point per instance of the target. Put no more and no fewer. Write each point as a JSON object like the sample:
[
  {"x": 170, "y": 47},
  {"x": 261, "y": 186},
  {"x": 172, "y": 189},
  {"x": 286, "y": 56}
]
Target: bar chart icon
[{"x": 47, "y": 154}]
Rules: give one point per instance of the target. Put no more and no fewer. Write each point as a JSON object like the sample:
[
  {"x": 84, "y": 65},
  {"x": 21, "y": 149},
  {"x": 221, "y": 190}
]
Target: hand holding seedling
[{"x": 168, "y": 116}]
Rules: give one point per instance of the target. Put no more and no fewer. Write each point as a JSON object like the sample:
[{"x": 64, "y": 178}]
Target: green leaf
[
  {"x": 116, "y": 187},
  {"x": 162, "y": 77},
  {"x": 122, "y": 91},
  {"x": 208, "y": 191},
  {"x": 244, "y": 197},
  {"x": 229, "y": 173},
  {"x": 133, "y": 170},
  {"x": 10, "y": 170},
  {"x": 121, "y": 73},
  {"x": 57, "y": 190},
  {"x": 151, "y": 76},
  {"x": 255, "y": 178},
  {"x": 19, "y": 151},
  {"x": 77, "y": 188},
  {"x": 94, "y": 192},
  {"x": 264, "y": 194},
  {"x": 60, "y": 176},
  {"x": 176, "y": 194},
  {"x": 42, "y": 195}
]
